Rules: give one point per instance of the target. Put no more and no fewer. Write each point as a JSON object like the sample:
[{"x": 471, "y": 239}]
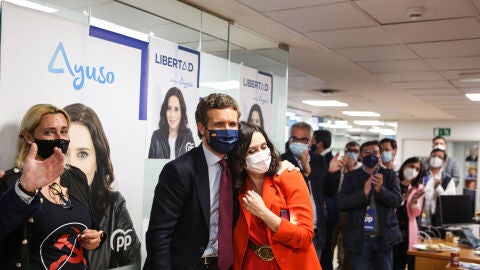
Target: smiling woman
[{"x": 173, "y": 138}]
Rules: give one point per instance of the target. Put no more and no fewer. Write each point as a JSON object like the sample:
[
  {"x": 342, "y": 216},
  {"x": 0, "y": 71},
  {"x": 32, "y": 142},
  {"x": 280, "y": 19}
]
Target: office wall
[{"x": 414, "y": 138}]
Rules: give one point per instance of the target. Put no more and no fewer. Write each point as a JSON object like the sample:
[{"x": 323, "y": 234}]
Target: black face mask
[
  {"x": 45, "y": 147},
  {"x": 370, "y": 161}
]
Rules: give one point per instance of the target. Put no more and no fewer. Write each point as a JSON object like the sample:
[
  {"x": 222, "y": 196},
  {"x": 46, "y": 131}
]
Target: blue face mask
[
  {"x": 223, "y": 140},
  {"x": 353, "y": 156},
  {"x": 370, "y": 161},
  {"x": 386, "y": 156},
  {"x": 297, "y": 148}
]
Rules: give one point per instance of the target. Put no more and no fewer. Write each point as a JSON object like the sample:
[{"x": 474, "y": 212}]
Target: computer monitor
[{"x": 456, "y": 210}]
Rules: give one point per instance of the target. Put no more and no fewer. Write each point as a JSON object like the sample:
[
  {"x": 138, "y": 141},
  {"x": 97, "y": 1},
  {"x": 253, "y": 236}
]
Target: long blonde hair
[{"x": 30, "y": 121}]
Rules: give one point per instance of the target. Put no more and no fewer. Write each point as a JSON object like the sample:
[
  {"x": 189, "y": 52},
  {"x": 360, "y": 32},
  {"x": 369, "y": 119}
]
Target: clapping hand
[{"x": 337, "y": 164}]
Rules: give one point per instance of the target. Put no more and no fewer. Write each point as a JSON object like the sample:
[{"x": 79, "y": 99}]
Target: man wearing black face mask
[{"x": 369, "y": 196}]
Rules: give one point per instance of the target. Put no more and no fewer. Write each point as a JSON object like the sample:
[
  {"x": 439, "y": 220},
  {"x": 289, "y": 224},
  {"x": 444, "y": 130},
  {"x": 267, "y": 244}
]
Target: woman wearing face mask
[
  {"x": 272, "y": 232},
  {"x": 89, "y": 150},
  {"x": 58, "y": 230},
  {"x": 410, "y": 175}
]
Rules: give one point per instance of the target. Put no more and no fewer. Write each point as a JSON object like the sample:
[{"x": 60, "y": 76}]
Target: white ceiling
[
  {"x": 369, "y": 50},
  {"x": 373, "y": 53}
]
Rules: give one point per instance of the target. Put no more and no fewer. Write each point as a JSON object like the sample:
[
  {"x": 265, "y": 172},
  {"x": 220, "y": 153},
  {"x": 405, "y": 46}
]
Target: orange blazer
[{"x": 292, "y": 244}]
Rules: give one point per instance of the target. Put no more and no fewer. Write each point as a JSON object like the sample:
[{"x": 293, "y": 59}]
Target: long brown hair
[
  {"x": 236, "y": 158},
  {"x": 102, "y": 193}
]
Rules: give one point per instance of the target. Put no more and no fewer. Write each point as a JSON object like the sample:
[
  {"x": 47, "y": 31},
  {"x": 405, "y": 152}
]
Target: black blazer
[
  {"x": 178, "y": 231},
  {"x": 317, "y": 179}
]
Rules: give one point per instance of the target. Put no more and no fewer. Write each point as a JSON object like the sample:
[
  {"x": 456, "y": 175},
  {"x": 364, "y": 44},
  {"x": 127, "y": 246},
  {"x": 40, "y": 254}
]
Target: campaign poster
[
  {"x": 256, "y": 97},
  {"x": 46, "y": 58}
]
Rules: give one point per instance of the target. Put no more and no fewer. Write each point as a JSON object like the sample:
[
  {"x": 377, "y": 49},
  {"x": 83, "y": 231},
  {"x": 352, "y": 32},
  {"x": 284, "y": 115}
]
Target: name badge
[{"x": 369, "y": 221}]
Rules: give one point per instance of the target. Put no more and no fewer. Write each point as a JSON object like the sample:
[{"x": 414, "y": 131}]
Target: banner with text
[
  {"x": 46, "y": 58},
  {"x": 256, "y": 92}
]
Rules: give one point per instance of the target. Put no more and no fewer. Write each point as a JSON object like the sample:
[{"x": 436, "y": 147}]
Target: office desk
[{"x": 426, "y": 260}]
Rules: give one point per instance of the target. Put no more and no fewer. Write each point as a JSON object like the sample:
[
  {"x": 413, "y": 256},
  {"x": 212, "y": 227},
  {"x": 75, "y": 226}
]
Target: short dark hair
[
  {"x": 324, "y": 136},
  {"x": 213, "y": 101},
  {"x": 365, "y": 144},
  {"x": 415, "y": 182},
  {"x": 439, "y": 150},
  {"x": 236, "y": 158},
  {"x": 352, "y": 144},
  {"x": 439, "y": 137},
  {"x": 392, "y": 142}
]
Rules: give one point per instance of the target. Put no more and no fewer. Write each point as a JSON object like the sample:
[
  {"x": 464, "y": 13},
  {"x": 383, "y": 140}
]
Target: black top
[
  {"x": 16, "y": 245},
  {"x": 55, "y": 242}
]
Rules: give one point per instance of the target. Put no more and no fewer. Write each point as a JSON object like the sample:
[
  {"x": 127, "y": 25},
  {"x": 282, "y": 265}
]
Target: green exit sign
[{"x": 444, "y": 132}]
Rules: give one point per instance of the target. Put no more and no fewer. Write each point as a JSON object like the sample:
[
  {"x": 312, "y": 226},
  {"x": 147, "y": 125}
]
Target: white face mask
[
  {"x": 439, "y": 146},
  {"x": 410, "y": 173},
  {"x": 436, "y": 162},
  {"x": 259, "y": 162}
]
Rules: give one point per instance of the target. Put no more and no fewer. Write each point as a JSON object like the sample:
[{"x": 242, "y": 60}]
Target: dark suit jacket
[
  {"x": 178, "y": 232},
  {"x": 353, "y": 201},
  {"x": 317, "y": 179}
]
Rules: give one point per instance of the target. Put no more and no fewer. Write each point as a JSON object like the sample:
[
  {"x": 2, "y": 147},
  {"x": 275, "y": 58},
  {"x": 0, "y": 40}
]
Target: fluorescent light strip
[
  {"x": 369, "y": 122},
  {"x": 469, "y": 77},
  {"x": 361, "y": 113},
  {"x": 384, "y": 131},
  {"x": 473, "y": 96},
  {"x": 32, "y": 5},
  {"x": 325, "y": 103}
]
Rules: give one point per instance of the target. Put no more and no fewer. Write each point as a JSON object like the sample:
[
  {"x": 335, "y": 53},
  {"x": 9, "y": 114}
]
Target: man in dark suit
[
  {"x": 314, "y": 169},
  {"x": 183, "y": 228}
]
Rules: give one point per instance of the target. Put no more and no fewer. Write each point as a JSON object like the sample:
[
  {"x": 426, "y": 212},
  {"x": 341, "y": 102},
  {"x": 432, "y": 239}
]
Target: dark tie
[{"x": 225, "y": 247}]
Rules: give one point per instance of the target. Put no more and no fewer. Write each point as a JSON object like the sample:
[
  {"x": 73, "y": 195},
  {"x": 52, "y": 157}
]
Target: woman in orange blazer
[{"x": 274, "y": 229}]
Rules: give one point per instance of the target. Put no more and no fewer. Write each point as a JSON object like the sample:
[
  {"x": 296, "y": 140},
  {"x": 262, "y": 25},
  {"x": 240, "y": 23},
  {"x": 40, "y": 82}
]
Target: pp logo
[
  {"x": 120, "y": 239},
  {"x": 368, "y": 219}
]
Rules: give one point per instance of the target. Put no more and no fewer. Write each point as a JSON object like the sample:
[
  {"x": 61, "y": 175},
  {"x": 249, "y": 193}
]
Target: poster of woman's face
[
  {"x": 255, "y": 116},
  {"x": 173, "y": 137}
]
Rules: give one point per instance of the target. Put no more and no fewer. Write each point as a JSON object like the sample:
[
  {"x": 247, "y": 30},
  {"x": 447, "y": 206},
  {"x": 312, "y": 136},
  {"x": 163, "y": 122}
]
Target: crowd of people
[{"x": 228, "y": 203}]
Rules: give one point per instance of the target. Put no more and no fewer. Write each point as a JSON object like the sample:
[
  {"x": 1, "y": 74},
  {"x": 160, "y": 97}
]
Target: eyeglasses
[
  {"x": 294, "y": 139},
  {"x": 367, "y": 152},
  {"x": 55, "y": 189}
]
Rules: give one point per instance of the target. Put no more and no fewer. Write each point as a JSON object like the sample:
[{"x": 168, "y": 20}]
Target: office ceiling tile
[
  {"x": 354, "y": 37},
  {"x": 442, "y": 30},
  {"x": 444, "y": 49},
  {"x": 395, "y": 66},
  {"x": 317, "y": 18},
  {"x": 377, "y": 53}
]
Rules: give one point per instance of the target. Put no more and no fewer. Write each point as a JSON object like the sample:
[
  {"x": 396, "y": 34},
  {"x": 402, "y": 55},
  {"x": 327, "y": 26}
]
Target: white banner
[
  {"x": 49, "y": 59},
  {"x": 256, "y": 92}
]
